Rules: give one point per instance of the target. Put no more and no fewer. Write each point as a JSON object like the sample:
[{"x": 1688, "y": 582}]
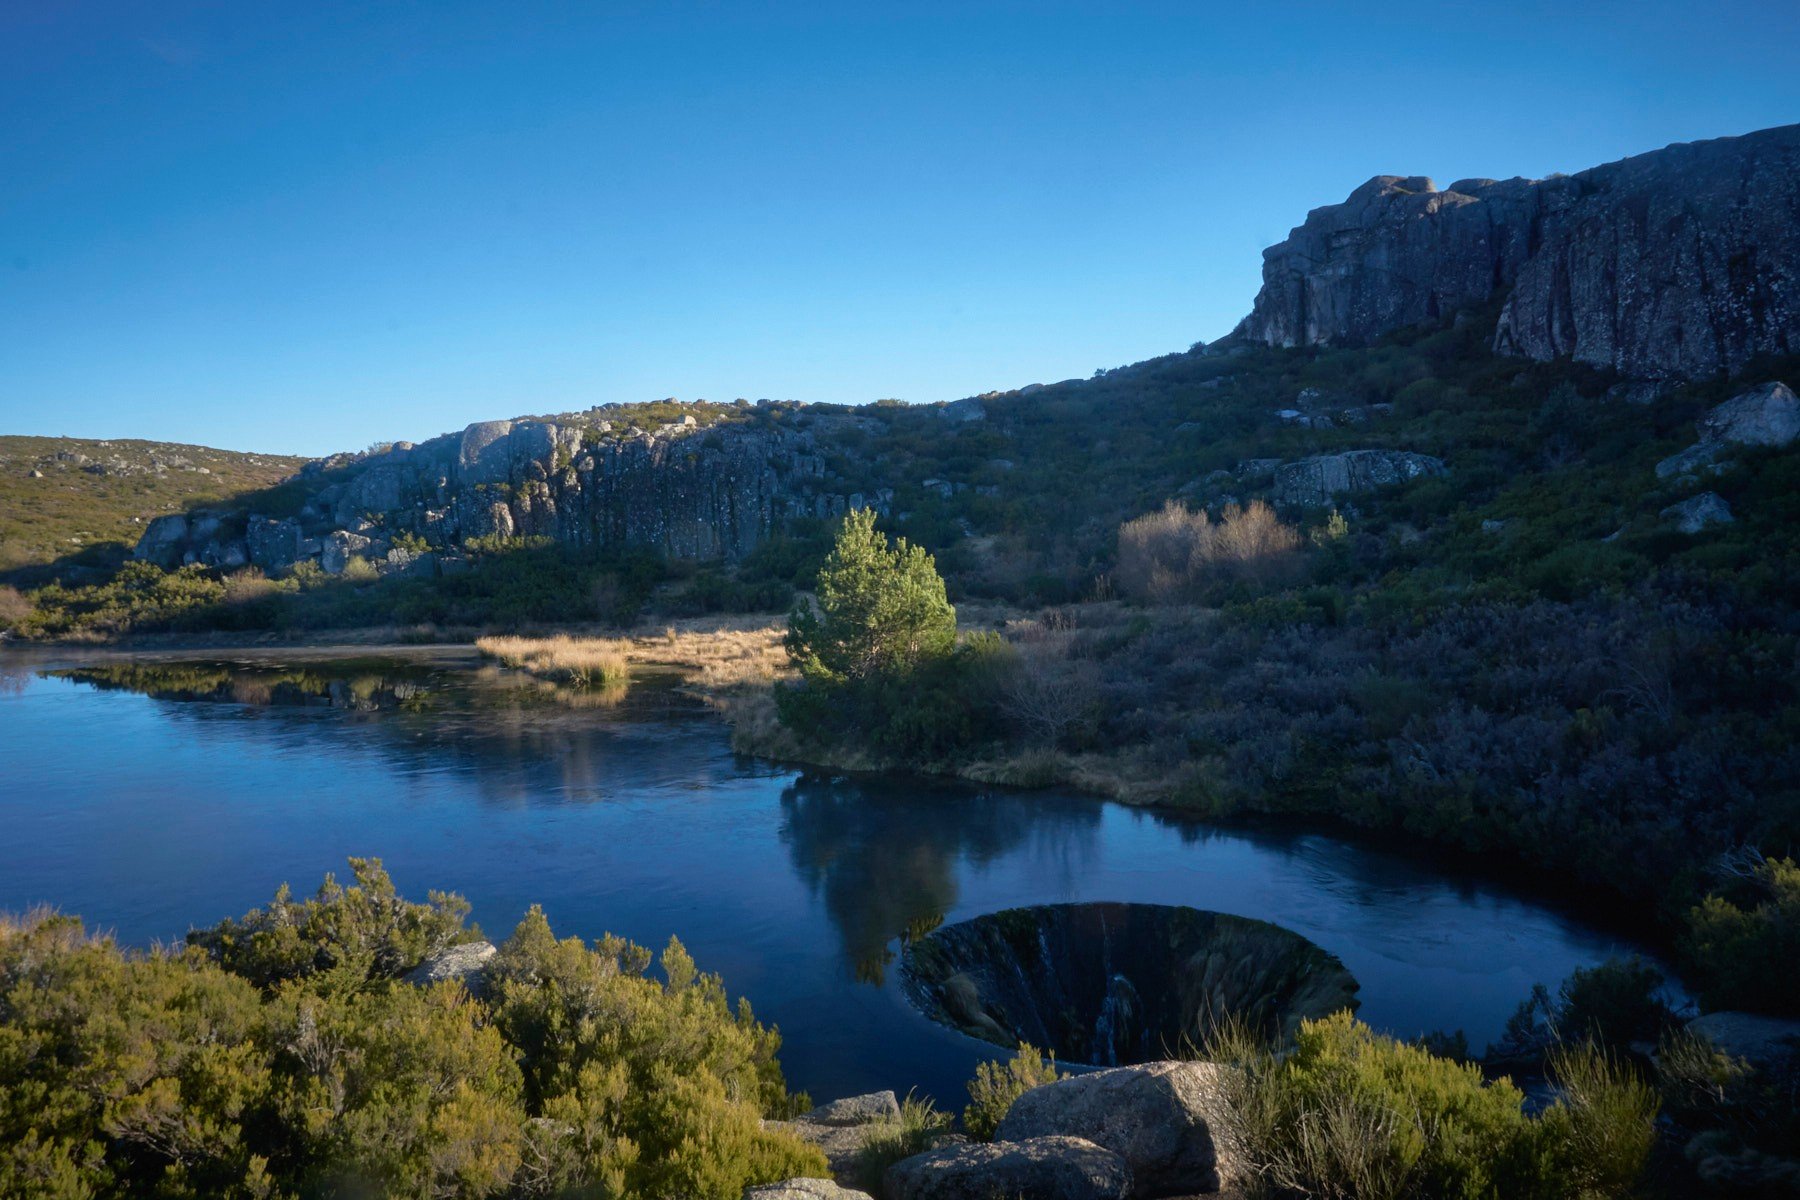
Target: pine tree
[{"x": 881, "y": 609}]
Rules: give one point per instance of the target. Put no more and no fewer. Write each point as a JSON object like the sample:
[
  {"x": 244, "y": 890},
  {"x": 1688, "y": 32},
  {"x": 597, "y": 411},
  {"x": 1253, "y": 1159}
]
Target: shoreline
[{"x": 730, "y": 663}]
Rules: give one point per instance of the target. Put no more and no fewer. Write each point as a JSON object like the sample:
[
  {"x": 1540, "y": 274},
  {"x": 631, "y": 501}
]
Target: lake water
[{"x": 149, "y": 800}]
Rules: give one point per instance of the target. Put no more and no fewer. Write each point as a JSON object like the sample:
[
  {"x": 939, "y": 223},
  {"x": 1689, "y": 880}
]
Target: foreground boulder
[
  {"x": 841, "y": 1128},
  {"x": 1045, "y": 1168},
  {"x": 803, "y": 1189},
  {"x": 1763, "y": 416},
  {"x": 1169, "y": 1121},
  {"x": 856, "y": 1110}
]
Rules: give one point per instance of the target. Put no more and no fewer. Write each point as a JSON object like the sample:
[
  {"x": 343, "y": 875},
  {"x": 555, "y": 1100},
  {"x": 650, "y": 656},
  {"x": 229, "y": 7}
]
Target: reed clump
[{"x": 578, "y": 662}]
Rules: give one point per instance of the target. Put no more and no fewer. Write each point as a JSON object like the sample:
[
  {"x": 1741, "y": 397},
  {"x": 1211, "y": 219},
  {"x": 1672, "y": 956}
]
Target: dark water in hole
[{"x": 149, "y": 801}]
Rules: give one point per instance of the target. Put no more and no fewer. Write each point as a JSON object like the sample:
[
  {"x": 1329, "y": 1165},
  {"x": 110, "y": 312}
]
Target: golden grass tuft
[{"x": 579, "y": 662}]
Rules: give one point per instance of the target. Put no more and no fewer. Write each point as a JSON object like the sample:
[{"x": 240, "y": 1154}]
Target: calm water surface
[{"x": 151, "y": 800}]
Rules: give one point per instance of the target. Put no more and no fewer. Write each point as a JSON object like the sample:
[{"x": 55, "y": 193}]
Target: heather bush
[{"x": 997, "y": 1084}]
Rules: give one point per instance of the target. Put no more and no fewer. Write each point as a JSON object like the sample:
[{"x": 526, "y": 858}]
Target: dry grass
[{"x": 579, "y": 662}]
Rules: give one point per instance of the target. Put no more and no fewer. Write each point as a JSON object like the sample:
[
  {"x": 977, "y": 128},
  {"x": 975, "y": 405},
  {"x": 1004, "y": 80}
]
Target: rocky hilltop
[
  {"x": 684, "y": 490},
  {"x": 1680, "y": 263}
]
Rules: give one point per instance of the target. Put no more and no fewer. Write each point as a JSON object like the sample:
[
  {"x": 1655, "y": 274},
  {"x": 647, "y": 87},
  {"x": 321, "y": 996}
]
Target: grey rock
[
  {"x": 164, "y": 541},
  {"x": 1707, "y": 457},
  {"x": 1698, "y": 513},
  {"x": 1763, "y": 416},
  {"x": 803, "y": 1189},
  {"x": 1759, "y": 1039},
  {"x": 1170, "y": 1121},
  {"x": 1676, "y": 263},
  {"x": 273, "y": 545},
  {"x": 1639, "y": 391},
  {"x": 842, "y": 1145},
  {"x": 855, "y": 1110},
  {"x": 339, "y": 548},
  {"x": 1314, "y": 481},
  {"x": 1047, "y": 1168},
  {"x": 485, "y": 454},
  {"x": 465, "y": 963}
]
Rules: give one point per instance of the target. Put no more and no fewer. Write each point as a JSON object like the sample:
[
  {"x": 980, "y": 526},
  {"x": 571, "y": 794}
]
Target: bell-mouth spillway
[{"x": 1107, "y": 984}]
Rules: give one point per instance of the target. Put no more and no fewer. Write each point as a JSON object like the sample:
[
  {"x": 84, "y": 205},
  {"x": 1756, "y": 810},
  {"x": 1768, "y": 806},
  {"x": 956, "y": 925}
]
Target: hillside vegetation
[{"x": 88, "y": 500}]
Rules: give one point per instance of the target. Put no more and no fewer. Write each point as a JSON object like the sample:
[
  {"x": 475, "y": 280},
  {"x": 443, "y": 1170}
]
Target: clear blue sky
[{"x": 309, "y": 226}]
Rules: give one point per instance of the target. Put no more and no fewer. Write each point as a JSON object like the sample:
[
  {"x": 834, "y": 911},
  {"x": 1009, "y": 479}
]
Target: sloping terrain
[{"x": 89, "y": 500}]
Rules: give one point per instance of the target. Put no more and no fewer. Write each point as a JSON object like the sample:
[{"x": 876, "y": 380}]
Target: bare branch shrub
[
  {"x": 1175, "y": 554},
  {"x": 14, "y": 607},
  {"x": 1048, "y": 693}
]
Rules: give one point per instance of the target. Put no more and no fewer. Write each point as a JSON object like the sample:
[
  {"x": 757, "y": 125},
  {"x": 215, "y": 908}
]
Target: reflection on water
[
  {"x": 150, "y": 796},
  {"x": 886, "y": 866}
]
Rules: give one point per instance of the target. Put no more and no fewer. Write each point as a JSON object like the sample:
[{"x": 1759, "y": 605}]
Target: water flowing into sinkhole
[{"x": 1107, "y": 984}]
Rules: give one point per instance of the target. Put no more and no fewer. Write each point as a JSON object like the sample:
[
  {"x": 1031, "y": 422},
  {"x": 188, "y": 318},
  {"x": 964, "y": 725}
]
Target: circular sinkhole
[{"x": 1108, "y": 984}]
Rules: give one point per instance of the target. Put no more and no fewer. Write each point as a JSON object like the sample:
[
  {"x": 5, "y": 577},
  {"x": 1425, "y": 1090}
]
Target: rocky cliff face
[
  {"x": 682, "y": 491},
  {"x": 1682, "y": 263}
]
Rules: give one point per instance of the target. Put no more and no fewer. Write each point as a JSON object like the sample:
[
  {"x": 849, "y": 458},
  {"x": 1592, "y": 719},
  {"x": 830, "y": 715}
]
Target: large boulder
[
  {"x": 1759, "y": 1039},
  {"x": 1710, "y": 457},
  {"x": 1047, "y": 1168},
  {"x": 163, "y": 542},
  {"x": 841, "y": 1128},
  {"x": 485, "y": 455},
  {"x": 856, "y": 1110},
  {"x": 1763, "y": 416},
  {"x": 1700, "y": 512},
  {"x": 1315, "y": 481},
  {"x": 339, "y": 548},
  {"x": 1170, "y": 1121},
  {"x": 466, "y": 963},
  {"x": 803, "y": 1189},
  {"x": 273, "y": 545}
]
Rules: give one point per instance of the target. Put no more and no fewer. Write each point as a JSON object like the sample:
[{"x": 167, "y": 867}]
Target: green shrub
[
  {"x": 1600, "y": 1132},
  {"x": 365, "y": 929},
  {"x": 887, "y": 1142},
  {"x": 1741, "y": 948},
  {"x": 1614, "y": 1005},
  {"x": 277, "y": 1055},
  {"x": 1354, "y": 1115},
  {"x": 878, "y": 656},
  {"x": 996, "y": 1085}
]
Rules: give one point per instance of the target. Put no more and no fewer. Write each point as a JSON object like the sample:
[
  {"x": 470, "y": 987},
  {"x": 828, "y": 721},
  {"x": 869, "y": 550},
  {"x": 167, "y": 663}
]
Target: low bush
[
  {"x": 1353, "y": 1115},
  {"x": 1742, "y": 946},
  {"x": 887, "y": 1142},
  {"x": 997, "y": 1084},
  {"x": 278, "y": 1055}
]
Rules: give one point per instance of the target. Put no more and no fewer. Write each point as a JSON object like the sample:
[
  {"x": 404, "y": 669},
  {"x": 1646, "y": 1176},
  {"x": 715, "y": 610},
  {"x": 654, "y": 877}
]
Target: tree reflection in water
[{"x": 886, "y": 858}]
